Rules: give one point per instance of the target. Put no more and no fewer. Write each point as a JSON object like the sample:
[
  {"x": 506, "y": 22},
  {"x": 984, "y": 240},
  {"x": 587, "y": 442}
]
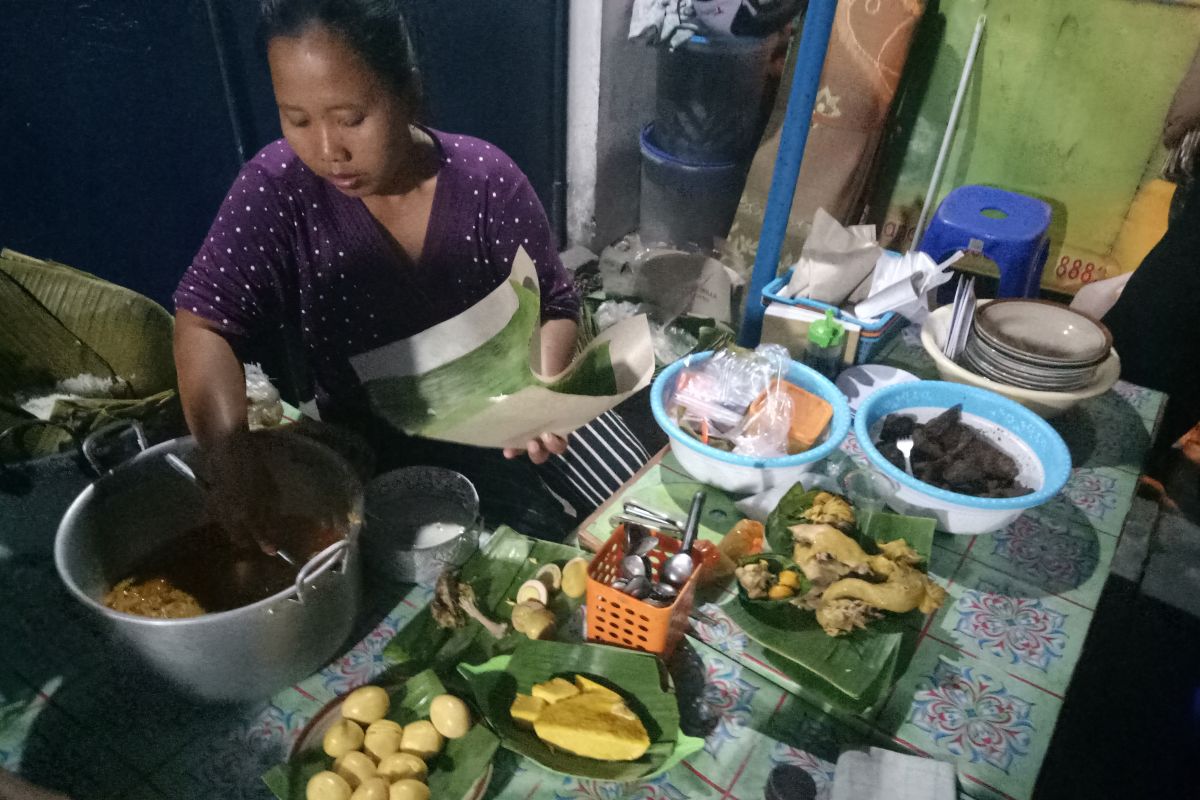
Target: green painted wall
[{"x": 1066, "y": 104}]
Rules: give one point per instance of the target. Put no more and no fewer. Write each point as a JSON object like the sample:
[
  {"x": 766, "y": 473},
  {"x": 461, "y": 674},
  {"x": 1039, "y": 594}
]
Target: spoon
[
  {"x": 184, "y": 469},
  {"x": 662, "y": 595},
  {"x": 638, "y": 587},
  {"x": 680, "y": 566},
  {"x": 632, "y": 567}
]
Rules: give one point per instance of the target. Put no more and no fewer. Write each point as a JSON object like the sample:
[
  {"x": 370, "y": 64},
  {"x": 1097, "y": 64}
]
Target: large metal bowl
[{"x": 247, "y": 653}]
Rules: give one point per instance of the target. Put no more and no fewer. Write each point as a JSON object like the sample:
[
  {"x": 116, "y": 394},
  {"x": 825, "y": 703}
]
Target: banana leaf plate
[
  {"x": 859, "y": 666},
  {"x": 496, "y": 572},
  {"x": 639, "y": 677},
  {"x": 462, "y": 770}
]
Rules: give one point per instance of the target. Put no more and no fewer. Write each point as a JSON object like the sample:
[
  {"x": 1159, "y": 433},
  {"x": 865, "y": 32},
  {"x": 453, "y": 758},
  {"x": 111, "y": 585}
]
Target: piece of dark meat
[
  {"x": 896, "y": 426},
  {"x": 952, "y": 455}
]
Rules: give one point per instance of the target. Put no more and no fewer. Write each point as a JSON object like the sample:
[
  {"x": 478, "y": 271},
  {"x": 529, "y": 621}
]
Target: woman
[
  {"x": 360, "y": 227},
  {"x": 1152, "y": 317}
]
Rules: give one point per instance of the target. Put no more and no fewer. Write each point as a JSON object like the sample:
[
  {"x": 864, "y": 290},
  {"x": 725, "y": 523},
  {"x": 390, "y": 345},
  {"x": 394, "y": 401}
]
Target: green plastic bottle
[{"x": 826, "y": 345}]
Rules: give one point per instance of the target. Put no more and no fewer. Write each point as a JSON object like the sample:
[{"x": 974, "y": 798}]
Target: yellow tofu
[
  {"x": 554, "y": 690},
  {"x": 589, "y": 685},
  {"x": 526, "y": 709},
  {"x": 593, "y": 726}
]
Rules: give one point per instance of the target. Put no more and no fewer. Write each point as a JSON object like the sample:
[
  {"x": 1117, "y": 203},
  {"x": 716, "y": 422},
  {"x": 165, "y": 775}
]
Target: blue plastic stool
[{"x": 1009, "y": 228}]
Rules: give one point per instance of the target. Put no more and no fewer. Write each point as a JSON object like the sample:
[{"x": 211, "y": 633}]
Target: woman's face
[{"x": 337, "y": 114}]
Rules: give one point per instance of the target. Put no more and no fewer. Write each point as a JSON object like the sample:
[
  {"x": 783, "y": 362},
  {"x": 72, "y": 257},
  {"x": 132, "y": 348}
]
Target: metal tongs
[{"x": 642, "y": 515}]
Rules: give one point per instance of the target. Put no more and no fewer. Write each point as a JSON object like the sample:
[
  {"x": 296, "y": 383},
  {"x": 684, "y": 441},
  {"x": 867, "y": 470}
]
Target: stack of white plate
[{"x": 1035, "y": 344}]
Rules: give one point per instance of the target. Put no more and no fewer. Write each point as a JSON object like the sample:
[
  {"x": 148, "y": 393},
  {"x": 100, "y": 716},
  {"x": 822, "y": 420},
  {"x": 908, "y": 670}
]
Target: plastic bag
[
  {"x": 765, "y": 428},
  {"x": 713, "y": 400}
]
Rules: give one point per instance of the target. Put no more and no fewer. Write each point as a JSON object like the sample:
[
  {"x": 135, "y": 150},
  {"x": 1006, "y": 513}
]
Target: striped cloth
[{"x": 600, "y": 458}]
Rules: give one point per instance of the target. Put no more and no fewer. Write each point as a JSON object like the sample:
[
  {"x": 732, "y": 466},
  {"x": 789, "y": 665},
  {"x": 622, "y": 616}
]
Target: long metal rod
[
  {"x": 806, "y": 80},
  {"x": 231, "y": 105},
  {"x": 948, "y": 136}
]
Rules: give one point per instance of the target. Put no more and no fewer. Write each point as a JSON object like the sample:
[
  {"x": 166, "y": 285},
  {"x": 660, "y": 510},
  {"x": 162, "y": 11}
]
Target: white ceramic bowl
[
  {"x": 1042, "y": 458},
  {"x": 1046, "y": 404},
  {"x": 739, "y": 474},
  {"x": 1043, "y": 331}
]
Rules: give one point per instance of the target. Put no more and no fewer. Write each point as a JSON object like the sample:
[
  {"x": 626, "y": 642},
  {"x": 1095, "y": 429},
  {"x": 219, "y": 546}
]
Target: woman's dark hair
[{"x": 374, "y": 29}]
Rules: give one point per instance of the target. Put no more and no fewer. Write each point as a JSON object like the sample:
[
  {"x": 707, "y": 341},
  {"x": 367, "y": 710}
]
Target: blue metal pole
[{"x": 806, "y": 81}]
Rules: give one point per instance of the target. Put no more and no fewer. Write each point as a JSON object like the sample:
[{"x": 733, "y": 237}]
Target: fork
[{"x": 905, "y": 445}]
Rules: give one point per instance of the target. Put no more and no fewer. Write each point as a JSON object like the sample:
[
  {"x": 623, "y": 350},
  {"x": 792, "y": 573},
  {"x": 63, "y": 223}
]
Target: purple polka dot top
[{"x": 288, "y": 248}]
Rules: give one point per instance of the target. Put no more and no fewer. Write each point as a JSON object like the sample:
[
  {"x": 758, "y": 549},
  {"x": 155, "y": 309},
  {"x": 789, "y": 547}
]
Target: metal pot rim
[{"x": 292, "y": 592}]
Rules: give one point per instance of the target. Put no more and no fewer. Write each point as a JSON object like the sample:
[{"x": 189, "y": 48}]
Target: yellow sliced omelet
[{"x": 593, "y": 725}]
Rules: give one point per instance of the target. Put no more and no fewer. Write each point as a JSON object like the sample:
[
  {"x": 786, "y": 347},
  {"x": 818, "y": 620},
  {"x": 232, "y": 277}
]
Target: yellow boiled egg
[
  {"x": 366, "y": 704},
  {"x": 408, "y": 789},
  {"x": 421, "y": 739},
  {"x": 342, "y": 737},
  {"x": 327, "y": 786},
  {"x": 399, "y": 766},
  {"x": 355, "y": 767},
  {"x": 450, "y": 716},
  {"x": 383, "y": 738},
  {"x": 371, "y": 789}
]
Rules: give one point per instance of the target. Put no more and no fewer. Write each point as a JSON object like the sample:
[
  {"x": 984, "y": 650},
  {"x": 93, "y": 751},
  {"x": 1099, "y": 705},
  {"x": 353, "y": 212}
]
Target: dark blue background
[{"x": 118, "y": 137}]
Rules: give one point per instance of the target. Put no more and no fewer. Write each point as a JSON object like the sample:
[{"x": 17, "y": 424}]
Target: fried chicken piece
[
  {"x": 756, "y": 578},
  {"x": 843, "y": 616},
  {"x": 831, "y": 509},
  {"x": 905, "y": 589},
  {"x": 454, "y": 601},
  {"x": 825, "y": 554}
]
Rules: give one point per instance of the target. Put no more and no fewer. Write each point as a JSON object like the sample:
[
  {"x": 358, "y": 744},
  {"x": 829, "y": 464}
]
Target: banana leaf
[
  {"x": 639, "y": 678},
  {"x": 452, "y": 775},
  {"x": 36, "y": 349},
  {"x": 857, "y": 666},
  {"x": 496, "y": 572},
  {"x": 130, "y": 332},
  {"x": 787, "y": 513},
  {"x": 60, "y": 323}
]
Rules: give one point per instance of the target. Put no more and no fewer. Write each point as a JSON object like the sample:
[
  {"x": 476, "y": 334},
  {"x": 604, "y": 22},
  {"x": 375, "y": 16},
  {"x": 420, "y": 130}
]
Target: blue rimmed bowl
[
  {"x": 1041, "y": 455},
  {"x": 739, "y": 474}
]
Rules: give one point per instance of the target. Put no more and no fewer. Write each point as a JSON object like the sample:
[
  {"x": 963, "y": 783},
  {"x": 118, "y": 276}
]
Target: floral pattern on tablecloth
[
  {"x": 728, "y": 696},
  {"x": 230, "y": 766},
  {"x": 818, "y": 768},
  {"x": 658, "y": 788},
  {"x": 723, "y": 634},
  {"x": 1145, "y": 401},
  {"x": 363, "y": 662},
  {"x": 1048, "y": 552},
  {"x": 973, "y": 716},
  {"x": 1092, "y": 492},
  {"x": 853, "y": 449},
  {"x": 1021, "y": 630}
]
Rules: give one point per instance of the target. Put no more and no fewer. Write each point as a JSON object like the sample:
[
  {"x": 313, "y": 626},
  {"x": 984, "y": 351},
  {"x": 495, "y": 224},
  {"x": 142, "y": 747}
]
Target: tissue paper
[{"x": 834, "y": 262}]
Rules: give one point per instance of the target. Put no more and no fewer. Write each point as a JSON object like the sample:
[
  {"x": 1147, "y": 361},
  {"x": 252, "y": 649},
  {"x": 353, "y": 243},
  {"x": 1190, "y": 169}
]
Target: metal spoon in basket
[{"x": 680, "y": 566}]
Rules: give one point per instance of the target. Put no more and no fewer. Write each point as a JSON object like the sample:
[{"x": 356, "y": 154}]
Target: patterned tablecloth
[{"x": 983, "y": 688}]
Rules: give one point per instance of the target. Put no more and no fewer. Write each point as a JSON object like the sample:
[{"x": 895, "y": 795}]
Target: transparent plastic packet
[
  {"x": 764, "y": 431},
  {"x": 712, "y": 399}
]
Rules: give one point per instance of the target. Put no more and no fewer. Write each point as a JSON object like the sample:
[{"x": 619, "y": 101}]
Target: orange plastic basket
[{"x": 614, "y": 617}]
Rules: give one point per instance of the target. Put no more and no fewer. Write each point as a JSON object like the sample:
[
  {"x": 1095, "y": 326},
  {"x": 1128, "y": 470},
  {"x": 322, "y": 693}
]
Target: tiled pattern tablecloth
[{"x": 983, "y": 689}]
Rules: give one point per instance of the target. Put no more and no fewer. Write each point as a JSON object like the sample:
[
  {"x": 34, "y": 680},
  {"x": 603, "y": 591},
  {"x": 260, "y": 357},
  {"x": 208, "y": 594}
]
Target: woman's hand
[
  {"x": 558, "y": 343},
  {"x": 241, "y": 494},
  {"x": 539, "y": 449}
]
